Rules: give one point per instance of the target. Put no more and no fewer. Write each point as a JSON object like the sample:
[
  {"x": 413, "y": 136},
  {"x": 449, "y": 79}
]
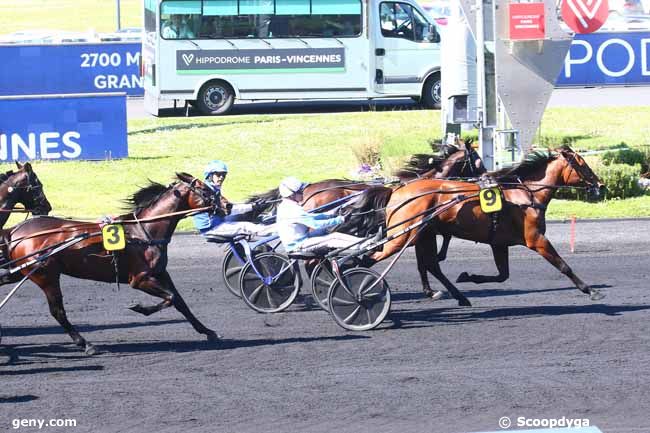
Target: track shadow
[
  {"x": 113, "y": 349},
  {"x": 18, "y": 398},
  {"x": 454, "y": 316},
  {"x": 47, "y": 370},
  {"x": 23, "y": 331},
  {"x": 478, "y": 292}
]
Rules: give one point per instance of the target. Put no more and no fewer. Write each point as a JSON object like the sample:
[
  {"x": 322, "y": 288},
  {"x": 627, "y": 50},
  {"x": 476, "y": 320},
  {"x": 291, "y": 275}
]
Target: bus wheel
[
  {"x": 215, "y": 97},
  {"x": 431, "y": 97}
]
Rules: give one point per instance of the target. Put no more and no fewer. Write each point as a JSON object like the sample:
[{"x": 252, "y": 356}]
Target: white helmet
[{"x": 289, "y": 186}]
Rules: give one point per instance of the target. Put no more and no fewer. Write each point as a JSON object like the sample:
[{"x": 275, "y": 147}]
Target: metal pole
[{"x": 117, "y": 3}]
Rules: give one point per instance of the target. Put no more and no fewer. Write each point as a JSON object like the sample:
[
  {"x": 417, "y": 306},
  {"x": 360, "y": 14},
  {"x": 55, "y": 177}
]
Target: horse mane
[
  {"x": 418, "y": 164},
  {"x": 145, "y": 196},
  {"x": 5, "y": 176},
  {"x": 272, "y": 194},
  {"x": 531, "y": 163}
]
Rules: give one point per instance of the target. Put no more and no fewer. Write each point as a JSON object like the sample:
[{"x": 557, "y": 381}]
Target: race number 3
[
  {"x": 490, "y": 200},
  {"x": 113, "y": 237}
]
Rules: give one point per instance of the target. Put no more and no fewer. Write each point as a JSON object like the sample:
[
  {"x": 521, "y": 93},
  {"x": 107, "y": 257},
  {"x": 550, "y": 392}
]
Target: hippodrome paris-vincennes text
[{"x": 293, "y": 59}]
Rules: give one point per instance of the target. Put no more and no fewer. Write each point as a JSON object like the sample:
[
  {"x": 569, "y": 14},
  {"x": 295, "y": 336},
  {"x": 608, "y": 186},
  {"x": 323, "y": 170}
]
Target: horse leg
[
  {"x": 181, "y": 306},
  {"x": 52, "y": 289},
  {"x": 434, "y": 267},
  {"x": 422, "y": 248},
  {"x": 500, "y": 253},
  {"x": 442, "y": 254},
  {"x": 543, "y": 247}
]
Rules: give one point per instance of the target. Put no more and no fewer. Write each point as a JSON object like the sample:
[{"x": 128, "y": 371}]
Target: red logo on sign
[
  {"x": 585, "y": 16},
  {"x": 526, "y": 21}
]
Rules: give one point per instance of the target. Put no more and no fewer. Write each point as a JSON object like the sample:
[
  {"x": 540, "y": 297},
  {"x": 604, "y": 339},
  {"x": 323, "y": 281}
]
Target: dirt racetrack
[{"x": 531, "y": 347}]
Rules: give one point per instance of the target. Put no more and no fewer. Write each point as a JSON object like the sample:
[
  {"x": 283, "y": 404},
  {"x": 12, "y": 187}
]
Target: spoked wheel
[
  {"x": 278, "y": 287},
  {"x": 231, "y": 268},
  {"x": 321, "y": 280},
  {"x": 357, "y": 306}
]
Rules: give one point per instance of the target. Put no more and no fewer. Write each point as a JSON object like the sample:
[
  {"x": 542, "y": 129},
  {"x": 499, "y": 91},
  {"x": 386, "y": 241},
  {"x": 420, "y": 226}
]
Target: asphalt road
[
  {"x": 531, "y": 347},
  {"x": 583, "y": 98}
]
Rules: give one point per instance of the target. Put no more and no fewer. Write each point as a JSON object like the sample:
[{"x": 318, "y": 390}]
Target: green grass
[
  {"x": 70, "y": 15},
  {"x": 261, "y": 150}
]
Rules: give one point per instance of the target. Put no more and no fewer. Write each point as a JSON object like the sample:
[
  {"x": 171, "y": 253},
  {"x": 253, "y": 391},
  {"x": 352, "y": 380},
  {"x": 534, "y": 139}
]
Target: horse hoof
[
  {"x": 596, "y": 295},
  {"x": 91, "y": 350},
  {"x": 464, "y": 303},
  {"x": 434, "y": 296},
  {"x": 213, "y": 336},
  {"x": 463, "y": 278}
]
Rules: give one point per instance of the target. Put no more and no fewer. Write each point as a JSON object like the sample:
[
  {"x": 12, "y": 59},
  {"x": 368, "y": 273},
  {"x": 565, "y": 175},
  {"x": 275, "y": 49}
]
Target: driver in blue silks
[{"x": 215, "y": 175}]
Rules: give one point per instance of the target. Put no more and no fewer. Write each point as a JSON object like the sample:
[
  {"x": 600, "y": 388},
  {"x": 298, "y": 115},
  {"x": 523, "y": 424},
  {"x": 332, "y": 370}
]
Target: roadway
[
  {"x": 531, "y": 347},
  {"x": 584, "y": 98}
]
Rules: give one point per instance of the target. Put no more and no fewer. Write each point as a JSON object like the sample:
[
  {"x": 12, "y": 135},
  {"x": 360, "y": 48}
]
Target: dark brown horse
[
  {"x": 24, "y": 187},
  {"x": 527, "y": 190},
  {"x": 156, "y": 210}
]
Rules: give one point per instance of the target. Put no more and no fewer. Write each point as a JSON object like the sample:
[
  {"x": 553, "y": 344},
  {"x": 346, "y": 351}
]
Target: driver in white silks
[
  {"x": 228, "y": 226},
  {"x": 300, "y": 230}
]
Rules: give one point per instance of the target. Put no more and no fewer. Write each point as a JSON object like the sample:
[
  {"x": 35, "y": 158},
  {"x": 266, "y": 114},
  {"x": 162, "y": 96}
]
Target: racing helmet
[
  {"x": 215, "y": 166},
  {"x": 290, "y": 185}
]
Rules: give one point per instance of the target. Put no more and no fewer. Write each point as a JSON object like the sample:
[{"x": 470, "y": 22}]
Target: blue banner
[
  {"x": 63, "y": 128},
  {"x": 59, "y": 69},
  {"x": 599, "y": 59}
]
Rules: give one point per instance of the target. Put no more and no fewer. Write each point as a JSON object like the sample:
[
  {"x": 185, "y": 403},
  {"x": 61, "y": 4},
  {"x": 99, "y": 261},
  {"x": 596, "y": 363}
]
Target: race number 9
[
  {"x": 113, "y": 237},
  {"x": 490, "y": 200}
]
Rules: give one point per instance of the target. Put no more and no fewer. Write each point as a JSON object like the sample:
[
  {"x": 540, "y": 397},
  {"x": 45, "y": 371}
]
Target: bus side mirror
[{"x": 433, "y": 35}]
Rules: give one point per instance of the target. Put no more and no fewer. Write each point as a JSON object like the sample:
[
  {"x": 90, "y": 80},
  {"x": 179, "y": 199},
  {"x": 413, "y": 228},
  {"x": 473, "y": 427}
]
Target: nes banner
[
  {"x": 63, "y": 128},
  {"x": 260, "y": 61},
  {"x": 607, "y": 59},
  {"x": 79, "y": 68}
]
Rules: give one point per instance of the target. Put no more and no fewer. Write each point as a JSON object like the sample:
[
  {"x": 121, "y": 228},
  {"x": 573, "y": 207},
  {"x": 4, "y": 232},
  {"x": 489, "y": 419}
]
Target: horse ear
[
  {"x": 28, "y": 167},
  {"x": 18, "y": 164},
  {"x": 185, "y": 177}
]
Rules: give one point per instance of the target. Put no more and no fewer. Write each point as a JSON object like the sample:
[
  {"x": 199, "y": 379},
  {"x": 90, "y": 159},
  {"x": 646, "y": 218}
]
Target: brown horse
[
  {"x": 156, "y": 210},
  {"x": 527, "y": 189},
  {"x": 24, "y": 187},
  {"x": 460, "y": 160}
]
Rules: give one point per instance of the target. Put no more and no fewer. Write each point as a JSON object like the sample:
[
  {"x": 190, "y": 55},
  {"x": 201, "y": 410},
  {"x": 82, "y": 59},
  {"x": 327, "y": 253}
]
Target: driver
[
  {"x": 300, "y": 230},
  {"x": 215, "y": 175}
]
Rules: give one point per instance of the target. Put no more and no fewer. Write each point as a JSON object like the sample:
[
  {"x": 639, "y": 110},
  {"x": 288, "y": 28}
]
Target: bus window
[
  {"x": 180, "y": 19},
  {"x": 398, "y": 19}
]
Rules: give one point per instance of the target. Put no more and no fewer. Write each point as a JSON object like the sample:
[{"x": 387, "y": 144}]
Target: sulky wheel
[
  {"x": 276, "y": 290},
  {"x": 356, "y": 306},
  {"x": 231, "y": 268},
  {"x": 321, "y": 280}
]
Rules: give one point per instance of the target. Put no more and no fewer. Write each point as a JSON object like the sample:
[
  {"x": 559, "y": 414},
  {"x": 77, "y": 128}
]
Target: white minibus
[{"x": 213, "y": 52}]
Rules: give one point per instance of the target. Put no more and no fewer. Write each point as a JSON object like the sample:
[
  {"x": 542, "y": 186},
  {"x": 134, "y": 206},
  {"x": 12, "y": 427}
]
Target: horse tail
[{"x": 368, "y": 212}]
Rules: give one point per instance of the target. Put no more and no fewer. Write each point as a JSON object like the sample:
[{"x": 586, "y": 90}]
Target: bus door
[{"x": 407, "y": 48}]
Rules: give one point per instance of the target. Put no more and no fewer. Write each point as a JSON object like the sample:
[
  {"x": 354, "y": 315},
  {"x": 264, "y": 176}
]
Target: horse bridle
[
  {"x": 592, "y": 186},
  {"x": 38, "y": 200}
]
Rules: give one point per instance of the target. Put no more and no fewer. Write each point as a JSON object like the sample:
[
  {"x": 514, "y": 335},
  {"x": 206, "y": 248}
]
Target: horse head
[
  {"x": 25, "y": 188},
  {"x": 576, "y": 172},
  {"x": 199, "y": 195},
  {"x": 461, "y": 160}
]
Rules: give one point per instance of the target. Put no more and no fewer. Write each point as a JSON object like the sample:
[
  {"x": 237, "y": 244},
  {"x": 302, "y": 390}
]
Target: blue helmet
[{"x": 215, "y": 166}]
